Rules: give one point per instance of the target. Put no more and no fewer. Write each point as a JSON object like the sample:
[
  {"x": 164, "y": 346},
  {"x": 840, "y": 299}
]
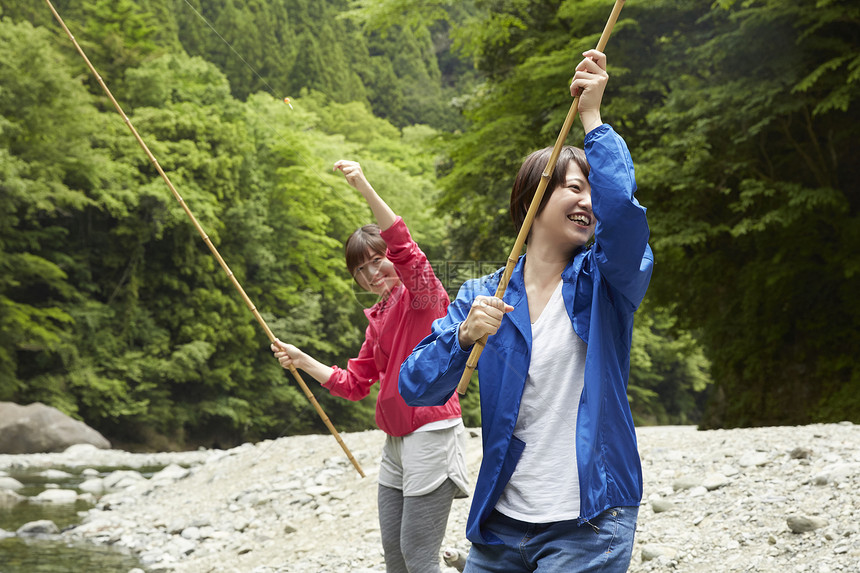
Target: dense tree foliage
[
  {"x": 276, "y": 46},
  {"x": 739, "y": 116},
  {"x": 759, "y": 179},
  {"x": 112, "y": 308}
]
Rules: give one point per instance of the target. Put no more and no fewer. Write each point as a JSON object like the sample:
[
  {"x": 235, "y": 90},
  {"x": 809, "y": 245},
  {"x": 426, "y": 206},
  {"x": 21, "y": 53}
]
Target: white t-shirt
[{"x": 545, "y": 484}]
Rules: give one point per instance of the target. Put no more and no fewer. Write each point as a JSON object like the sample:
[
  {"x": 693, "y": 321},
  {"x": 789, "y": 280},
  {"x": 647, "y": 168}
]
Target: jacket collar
[
  {"x": 376, "y": 311},
  {"x": 573, "y": 267},
  {"x": 515, "y": 294}
]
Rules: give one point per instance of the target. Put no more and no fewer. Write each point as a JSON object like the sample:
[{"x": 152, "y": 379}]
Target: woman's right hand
[
  {"x": 484, "y": 319},
  {"x": 287, "y": 354},
  {"x": 291, "y": 357},
  {"x": 354, "y": 175},
  {"x": 385, "y": 217}
]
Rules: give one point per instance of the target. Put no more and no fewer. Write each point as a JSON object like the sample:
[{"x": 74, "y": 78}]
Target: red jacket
[{"x": 396, "y": 325}]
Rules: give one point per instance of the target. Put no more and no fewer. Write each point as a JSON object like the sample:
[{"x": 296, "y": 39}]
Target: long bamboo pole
[
  {"x": 478, "y": 348},
  {"x": 207, "y": 240}
]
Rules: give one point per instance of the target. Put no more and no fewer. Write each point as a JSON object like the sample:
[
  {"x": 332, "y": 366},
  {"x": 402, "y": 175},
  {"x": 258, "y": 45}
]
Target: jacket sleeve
[
  {"x": 361, "y": 373},
  {"x": 410, "y": 262},
  {"x": 621, "y": 248},
  {"x": 429, "y": 376}
]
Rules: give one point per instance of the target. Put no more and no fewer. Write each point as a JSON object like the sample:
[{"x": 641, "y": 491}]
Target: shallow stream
[{"x": 54, "y": 554}]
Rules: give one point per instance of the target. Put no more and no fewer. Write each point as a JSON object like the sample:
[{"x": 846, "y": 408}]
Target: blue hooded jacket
[{"x": 603, "y": 286}]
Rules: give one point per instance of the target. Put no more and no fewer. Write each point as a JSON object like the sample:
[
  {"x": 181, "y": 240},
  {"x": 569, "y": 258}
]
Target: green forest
[{"x": 740, "y": 116}]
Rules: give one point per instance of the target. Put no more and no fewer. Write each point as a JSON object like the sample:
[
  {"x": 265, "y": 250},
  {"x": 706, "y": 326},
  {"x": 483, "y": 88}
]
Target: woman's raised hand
[
  {"x": 354, "y": 175},
  {"x": 589, "y": 82},
  {"x": 385, "y": 217}
]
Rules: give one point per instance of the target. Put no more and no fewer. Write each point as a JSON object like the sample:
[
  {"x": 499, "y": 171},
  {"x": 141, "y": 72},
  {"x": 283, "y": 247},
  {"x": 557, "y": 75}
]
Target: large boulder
[{"x": 37, "y": 428}]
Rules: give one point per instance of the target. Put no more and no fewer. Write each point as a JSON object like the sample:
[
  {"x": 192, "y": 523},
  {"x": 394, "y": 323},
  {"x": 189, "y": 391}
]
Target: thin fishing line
[
  {"x": 271, "y": 92},
  {"x": 238, "y": 55}
]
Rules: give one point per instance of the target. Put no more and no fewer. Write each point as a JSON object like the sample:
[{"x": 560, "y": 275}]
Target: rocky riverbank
[{"x": 765, "y": 499}]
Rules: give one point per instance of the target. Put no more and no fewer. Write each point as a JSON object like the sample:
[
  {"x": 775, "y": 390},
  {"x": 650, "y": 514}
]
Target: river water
[{"x": 53, "y": 554}]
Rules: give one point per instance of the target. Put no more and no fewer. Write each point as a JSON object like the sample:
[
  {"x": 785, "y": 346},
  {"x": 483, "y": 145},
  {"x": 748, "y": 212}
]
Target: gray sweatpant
[{"x": 413, "y": 528}]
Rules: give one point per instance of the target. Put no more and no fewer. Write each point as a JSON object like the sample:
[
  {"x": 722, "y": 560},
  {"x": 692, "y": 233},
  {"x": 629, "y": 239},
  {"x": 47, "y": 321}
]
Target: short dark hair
[
  {"x": 363, "y": 240},
  {"x": 529, "y": 176}
]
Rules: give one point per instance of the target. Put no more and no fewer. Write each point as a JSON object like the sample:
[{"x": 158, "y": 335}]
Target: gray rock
[
  {"x": 728, "y": 470},
  {"x": 10, "y": 483},
  {"x": 660, "y": 505},
  {"x": 686, "y": 482},
  {"x": 9, "y": 498},
  {"x": 39, "y": 428},
  {"x": 800, "y": 453},
  {"x": 179, "y": 547},
  {"x": 191, "y": 533},
  {"x": 122, "y": 479},
  {"x": 802, "y": 524},
  {"x": 41, "y": 527},
  {"x": 176, "y": 526},
  {"x": 80, "y": 451},
  {"x": 836, "y": 474},
  {"x": 171, "y": 473},
  {"x": 55, "y": 475},
  {"x": 57, "y": 496},
  {"x": 655, "y": 551},
  {"x": 95, "y": 527},
  {"x": 752, "y": 459},
  {"x": 715, "y": 481},
  {"x": 318, "y": 490},
  {"x": 93, "y": 485}
]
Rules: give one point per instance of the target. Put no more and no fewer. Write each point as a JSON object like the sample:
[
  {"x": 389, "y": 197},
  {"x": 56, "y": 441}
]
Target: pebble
[
  {"x": 660, "y": 505},
  {"x": 57, "y": 496},
  {"x": 10, "y": 483},
  {"x": 802, "y": 524},
  {"x": 743, "y": 500},
  {"x": 40, "y": 527}
]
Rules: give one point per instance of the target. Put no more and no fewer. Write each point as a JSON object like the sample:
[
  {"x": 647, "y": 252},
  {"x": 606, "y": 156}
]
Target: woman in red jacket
[{"x": 423, "y": 465}]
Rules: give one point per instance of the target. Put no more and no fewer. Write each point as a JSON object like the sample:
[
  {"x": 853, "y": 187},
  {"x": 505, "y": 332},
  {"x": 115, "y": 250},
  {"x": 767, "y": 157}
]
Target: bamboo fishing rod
[
  {"x": 478, "y": 348},
  {"x": 207, "y": 240}
]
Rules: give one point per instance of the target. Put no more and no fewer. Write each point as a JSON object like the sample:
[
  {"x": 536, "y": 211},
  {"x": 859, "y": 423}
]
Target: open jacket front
[{"x": 603, "y": 286}]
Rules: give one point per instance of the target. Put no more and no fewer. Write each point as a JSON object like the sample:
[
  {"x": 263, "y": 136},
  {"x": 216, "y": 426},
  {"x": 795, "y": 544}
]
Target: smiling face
[
  {"x": 530, "y": 176},
  {"x": 366, "y": 261},
  {"x": 566, "y": 219},
  {"x": 376, "y": 274}
]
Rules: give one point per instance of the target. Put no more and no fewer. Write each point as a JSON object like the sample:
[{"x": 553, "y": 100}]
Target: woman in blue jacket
[{"x": 560, "y": 481}]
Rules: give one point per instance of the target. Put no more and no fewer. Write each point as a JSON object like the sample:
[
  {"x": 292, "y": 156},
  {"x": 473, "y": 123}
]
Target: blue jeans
[{"x": 603, "y": 544}]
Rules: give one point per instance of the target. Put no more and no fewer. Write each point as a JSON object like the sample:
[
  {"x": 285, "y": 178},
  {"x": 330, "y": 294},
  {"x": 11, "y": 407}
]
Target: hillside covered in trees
[{"x": 739, "y": 119}]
